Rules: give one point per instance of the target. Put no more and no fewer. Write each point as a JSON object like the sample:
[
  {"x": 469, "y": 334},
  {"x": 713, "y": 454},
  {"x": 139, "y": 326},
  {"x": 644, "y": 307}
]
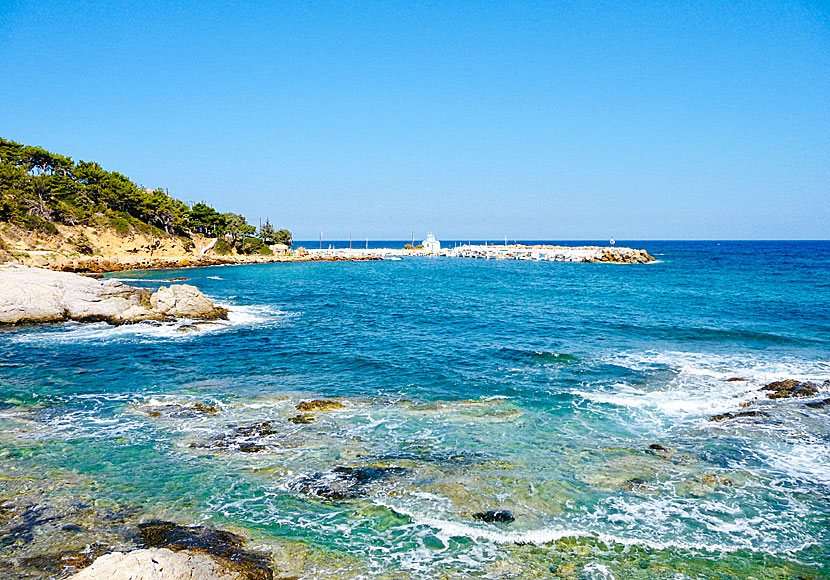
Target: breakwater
[{"x": 538, "y": 253}]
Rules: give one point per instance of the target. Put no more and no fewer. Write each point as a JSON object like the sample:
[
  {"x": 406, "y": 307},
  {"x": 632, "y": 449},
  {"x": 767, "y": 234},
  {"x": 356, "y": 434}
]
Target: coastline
[{"x": 435, "y": 455}]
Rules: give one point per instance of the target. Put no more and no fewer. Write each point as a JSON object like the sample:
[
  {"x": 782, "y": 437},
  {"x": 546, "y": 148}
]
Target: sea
[{"x": 474, "y": 418}]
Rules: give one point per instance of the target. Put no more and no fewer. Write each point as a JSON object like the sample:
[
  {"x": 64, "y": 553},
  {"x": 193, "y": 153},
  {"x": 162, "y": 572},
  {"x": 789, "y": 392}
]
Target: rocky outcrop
[
  {"x": 30, "y": 295},
  {"x": 184, "y": 301},
  {"x": 156, "y": 564},
  {"x": 624, "y": 256},
  {"x": 791, "y": 388},
  {"x": 319, "y": 405}
]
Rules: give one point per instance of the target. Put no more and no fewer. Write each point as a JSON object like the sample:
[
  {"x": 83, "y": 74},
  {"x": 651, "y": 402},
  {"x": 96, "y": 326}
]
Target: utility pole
[
  {"x": 321, "y": 240},
  {"x": 413, "y": 238},
  {"x": 350, "y": 241}
]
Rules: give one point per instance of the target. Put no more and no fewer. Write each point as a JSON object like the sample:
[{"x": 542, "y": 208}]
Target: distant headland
[{"x": 75, "y": 216}]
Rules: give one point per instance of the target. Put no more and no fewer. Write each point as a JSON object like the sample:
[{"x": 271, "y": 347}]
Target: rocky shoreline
[{"x": 34, "y": 295}]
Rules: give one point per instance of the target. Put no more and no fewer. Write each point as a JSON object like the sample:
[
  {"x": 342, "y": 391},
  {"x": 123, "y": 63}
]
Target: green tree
[
  {"x": 205, "y": 220},
  {"x": 236, "y": 228},
  {"x": 268, "y": 233},
  {"x": 284, "y": 237}
]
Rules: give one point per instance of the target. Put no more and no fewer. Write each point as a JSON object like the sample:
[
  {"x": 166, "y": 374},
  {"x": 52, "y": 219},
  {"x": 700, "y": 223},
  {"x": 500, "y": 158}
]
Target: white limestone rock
[
  {"x": 156, "y": 564},
  {"x": 38, "y": 295},
  {"x": 184, "y": 300}
]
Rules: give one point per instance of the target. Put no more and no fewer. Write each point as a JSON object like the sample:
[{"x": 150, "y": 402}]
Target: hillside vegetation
[{"x": 41, "y": 191}]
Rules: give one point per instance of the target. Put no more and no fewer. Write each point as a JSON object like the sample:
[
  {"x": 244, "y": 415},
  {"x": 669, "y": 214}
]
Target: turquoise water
[{"x": 537, "y": 388}]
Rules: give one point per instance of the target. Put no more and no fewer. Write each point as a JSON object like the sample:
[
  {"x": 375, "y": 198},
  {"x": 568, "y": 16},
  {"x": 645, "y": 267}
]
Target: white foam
[
  {"x": 179, "y": 329},
  {"x": 447, "y": 529}
]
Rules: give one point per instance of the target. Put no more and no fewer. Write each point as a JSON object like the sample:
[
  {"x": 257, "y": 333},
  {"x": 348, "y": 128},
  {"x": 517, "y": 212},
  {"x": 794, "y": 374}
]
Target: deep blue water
[{"x": 532, "y": 387}]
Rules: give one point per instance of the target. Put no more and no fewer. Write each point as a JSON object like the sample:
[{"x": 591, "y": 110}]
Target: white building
[{"x": 431, "y": 245}]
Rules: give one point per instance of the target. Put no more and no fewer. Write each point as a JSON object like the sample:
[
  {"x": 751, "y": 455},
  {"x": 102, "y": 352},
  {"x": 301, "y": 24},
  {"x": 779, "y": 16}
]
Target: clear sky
[{"x": 543, "y": 120}]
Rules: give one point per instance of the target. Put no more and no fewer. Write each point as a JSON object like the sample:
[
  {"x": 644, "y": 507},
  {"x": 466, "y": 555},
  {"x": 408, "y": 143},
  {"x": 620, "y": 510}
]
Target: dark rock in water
[
  {"x": 58, "y": 563},
  {"x": 302, "y": 419},
  {"x": 819, "y": 404},
  {"x": 319, "y": 405},
  {"x": 180, "y": 278},
  {"x": 790, "y": 388},
  {"x": 257, "y": 429},
  {"x": 246, "y": 447},
  {"x": 661, "y": 451},
  {"x": 223, "y": 545},
  {"x": 494, "y": 517},
  {"x": 634, "y": 483},
  {"x": 177, "y": 410},
  {"x": 735, "y": 380},
  {"x": 245, "y": 439},
  {"x": 724, "y": 416},
  {"x": 343, "y": 483}
]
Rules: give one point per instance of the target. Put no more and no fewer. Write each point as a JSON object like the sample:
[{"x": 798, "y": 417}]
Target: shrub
[
  {"x": 82, "y": 244},
  {"x": 38, "y": 224},
  {"x": 119, "y": 224},
  {"x": 222, "y": 247}
]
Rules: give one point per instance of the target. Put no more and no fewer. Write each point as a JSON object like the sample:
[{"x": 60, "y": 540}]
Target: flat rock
[
  {"x": 29, "y": 295},
  {"x": 319, "y": 405},
  {"x": 156, "y": 564}
]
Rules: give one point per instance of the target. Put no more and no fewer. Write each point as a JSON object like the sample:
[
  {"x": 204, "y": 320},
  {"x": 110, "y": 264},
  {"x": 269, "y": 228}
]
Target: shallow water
[{"x": 467, "y": 386}]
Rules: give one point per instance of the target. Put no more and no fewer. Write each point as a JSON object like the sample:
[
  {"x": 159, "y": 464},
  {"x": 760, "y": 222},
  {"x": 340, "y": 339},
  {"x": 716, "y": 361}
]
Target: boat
[{"x": 612, "y": 241}]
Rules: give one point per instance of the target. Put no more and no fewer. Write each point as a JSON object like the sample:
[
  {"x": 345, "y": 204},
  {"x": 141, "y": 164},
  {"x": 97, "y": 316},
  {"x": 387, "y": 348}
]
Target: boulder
[
  {"x": 29, "y": 295},
  {"x": 494, "y": 517},
  {"x": 184, "y": 300},
  {"x": 156, "y": 564}
]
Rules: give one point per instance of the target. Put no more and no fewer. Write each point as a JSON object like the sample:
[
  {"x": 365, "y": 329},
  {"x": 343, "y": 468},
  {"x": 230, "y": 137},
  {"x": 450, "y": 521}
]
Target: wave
[
  {"x": 541, "y": 356},
  {"x": 178, "y": 329},
  {"x": 447, "y": 529}
]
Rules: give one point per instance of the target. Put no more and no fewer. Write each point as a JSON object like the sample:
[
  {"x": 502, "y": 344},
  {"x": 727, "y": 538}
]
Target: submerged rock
[
  {"x": 245, "y": 439},
  {"x": 494, "y": 516},
  {"x": 790, "y": 388},
  {"x": 29, "y": 295},
  {"x": 179, "y": 410},
  {"x": 343, "y": 483},
  {"x": 819, "y": 404},
  {"x": 262, "y": 429},
  {"x": 157, "y": 564},
  {"x": 301, "y": 419},
  {"x": 661, "y": 451},
  {"x": 319, "y": 405},
  {"x": 724, "y": 416},
  {"x": 716, "y": 480},
  {"x": 222, "y": 545},
  {"x": 634, "y": 483}
]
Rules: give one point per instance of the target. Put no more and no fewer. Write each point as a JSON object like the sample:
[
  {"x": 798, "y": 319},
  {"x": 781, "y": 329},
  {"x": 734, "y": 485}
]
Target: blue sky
[{"x": 544, "y": 120}]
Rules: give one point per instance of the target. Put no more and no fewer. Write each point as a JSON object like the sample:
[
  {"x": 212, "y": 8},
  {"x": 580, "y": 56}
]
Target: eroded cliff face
[{"x": 29, "y": 295}]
